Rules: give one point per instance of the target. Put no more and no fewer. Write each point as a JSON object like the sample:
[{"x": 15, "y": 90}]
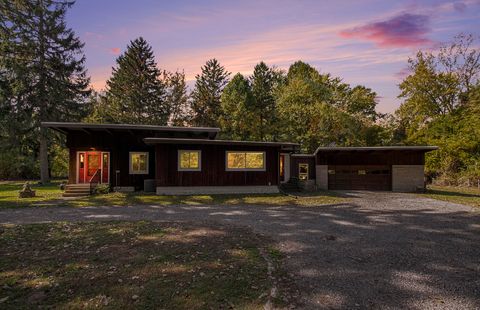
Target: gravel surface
[{"x": 377, "y": 250}]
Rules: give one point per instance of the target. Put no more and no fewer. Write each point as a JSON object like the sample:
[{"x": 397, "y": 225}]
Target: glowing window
[
  {"x": 253, "y": 161},
  {"x": 189, "y": 160},
  {"x": 138, "y": 162}
]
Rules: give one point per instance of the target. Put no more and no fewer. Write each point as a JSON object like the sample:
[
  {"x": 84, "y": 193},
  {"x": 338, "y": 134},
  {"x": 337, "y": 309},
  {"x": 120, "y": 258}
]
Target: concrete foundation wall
[
  {"x": 201, "y": 190},
  {"x": 407, "y": 178},
  {"x": 321, "y": 176}
]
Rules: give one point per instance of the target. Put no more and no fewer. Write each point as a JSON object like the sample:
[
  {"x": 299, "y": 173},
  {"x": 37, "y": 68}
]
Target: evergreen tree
[
  {"x": 177, "y": 98},
  {"x": 238, "y": 113},
  {"x": 135, "y": 91},
  {"x": 42, "y": 66},
  {"x": 207, "y": 93},
  {"x": 264, "y": 80}
]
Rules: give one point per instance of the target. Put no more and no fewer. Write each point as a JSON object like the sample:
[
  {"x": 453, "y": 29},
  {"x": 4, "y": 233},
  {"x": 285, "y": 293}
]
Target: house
[{"x": 190, "y": 160}]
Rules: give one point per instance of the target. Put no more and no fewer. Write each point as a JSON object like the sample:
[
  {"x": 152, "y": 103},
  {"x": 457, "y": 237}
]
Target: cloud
[
  {"x": 460, "y": 7},
  {"x": 402, "y": 73},
  {"x": 114, "y": 50},
  {"x": 402, "y": 30}
]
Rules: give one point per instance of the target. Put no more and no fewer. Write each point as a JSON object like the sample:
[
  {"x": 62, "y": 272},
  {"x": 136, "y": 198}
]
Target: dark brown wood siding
[
  {"x": 294, "y": 161},
  {"x": 213, "y": 170},
  {"x": 370, "y": 158},
  {"x": 119, "y": 145}
]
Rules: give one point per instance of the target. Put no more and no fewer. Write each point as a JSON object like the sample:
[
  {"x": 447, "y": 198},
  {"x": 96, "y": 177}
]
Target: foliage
[
  {"x": 264, "y": 82},
  {"x": 442, "y": 107},
  {"x": 102, "y": 189},
  {"x": 136, "y": 93},
  {"x": 43, "y": 78},
  {"x": 238, "y": 114},
  {"x": 312, "y": 112},
  {"x": 177, "y": 98},
  {"x": 205, "y": 98}
]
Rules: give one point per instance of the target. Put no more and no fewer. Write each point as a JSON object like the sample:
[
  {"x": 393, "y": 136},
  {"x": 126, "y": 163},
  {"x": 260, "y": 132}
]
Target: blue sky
[{"x": 363, "y": 42}]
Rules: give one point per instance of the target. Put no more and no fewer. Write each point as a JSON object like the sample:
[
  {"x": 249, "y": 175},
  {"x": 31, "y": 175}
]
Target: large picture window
[
  {"x": 248, "y": 161},
  {"x": 189, "y": 160},
  {"x": 138, "y": 163}
]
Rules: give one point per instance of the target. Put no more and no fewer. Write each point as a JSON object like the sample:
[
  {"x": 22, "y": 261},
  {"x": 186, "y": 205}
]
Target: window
[
  {"x": 82, "y": 160},
  {"x": 138, "y": 162},
  {"x": 247, "y": 161},
  {"x": 303, "y": 171},
  {"x": 189, "y": 160}
]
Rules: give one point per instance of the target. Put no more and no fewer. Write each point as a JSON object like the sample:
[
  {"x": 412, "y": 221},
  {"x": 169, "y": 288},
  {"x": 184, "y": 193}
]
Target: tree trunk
[{"x": 44, "y": 175}]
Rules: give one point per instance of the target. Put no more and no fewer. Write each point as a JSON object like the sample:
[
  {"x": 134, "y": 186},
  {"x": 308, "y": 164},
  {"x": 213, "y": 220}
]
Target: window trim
[
  {"x": 307, "y": 173},
  {"x": 130, "y": 167},
  {"x": 179, "y": 152},
  {"x": 264, "y": 168}
]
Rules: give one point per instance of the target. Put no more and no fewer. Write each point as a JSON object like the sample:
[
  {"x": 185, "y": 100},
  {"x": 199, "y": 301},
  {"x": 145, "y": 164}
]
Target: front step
[{"x": 77, "y": 190}]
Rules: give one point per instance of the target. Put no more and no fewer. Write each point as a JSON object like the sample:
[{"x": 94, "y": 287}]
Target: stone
[{"x": 26, "y": 191}]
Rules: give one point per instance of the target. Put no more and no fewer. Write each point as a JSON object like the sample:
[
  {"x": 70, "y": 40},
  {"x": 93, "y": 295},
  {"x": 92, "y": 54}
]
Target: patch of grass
[
  {"x": 462, "y": 195},
  {"x": 132, "y": 265},
  {"x": 51, "y": 195}
]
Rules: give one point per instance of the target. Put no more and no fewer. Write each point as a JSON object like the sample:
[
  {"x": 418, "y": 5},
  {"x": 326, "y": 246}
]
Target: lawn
[
  {"x": 462, "y": 195},
  {"x": 122, "y": 265},
  {"x": 51, "y": 195}
]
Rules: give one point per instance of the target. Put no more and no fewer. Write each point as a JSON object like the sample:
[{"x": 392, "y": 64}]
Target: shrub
[{"x": 102, "y": 189}]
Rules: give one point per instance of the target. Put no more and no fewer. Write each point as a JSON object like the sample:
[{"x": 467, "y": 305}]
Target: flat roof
[
  {"x": 67, "y": 125},
  {"x": 425, "y": 148},
  {"x": 224, "y": 142}
]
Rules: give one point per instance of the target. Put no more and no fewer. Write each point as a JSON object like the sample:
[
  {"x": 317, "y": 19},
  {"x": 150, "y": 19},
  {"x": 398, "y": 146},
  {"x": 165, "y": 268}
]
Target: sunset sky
[{"x": 363, "y": 42}]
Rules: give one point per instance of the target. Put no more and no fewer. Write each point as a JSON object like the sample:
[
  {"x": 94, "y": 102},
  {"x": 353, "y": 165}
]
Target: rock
[{"x": 26, "y": 191}]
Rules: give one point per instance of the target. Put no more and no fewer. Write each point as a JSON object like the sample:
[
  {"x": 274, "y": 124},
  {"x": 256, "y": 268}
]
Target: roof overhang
[
  {"x": 423, "y": 148},
  {"x": 283, "y": 145},
  {"x": 65, "y": 127}
]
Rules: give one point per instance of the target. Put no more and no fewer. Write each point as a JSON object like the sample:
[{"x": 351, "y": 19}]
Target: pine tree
[
  {"x": 238, "y": 114},
  {"x": 42, "y": 61},
  {"x": 177, "y": 98},
  {"x": 135, "y": 91},
  {"x": 207, "y": 93},
  {"x": 263, "y": 81}
]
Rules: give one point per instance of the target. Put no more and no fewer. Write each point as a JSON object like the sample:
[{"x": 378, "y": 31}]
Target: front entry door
[{"x": 93, "y": 167}]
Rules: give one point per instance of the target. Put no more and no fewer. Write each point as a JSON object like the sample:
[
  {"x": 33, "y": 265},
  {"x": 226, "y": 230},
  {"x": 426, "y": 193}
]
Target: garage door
[{"x": 360, "y": 177}]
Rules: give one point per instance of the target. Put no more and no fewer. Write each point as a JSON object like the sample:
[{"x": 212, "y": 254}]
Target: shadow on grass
[{"x": 132, "y": 265}]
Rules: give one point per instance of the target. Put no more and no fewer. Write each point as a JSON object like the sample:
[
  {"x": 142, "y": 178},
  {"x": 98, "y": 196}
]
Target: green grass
[
  {"x": 462, "y": 195},
  {"x": 51, "y": 195},
  {"x": 124, "y": 265}
]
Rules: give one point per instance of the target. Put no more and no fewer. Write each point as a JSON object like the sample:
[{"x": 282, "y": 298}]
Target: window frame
[
  {"x": 306, "y": 173},
  {"x": 130, "y": 167},
  {"x": 179, "y": 168},
  {"x": 264, "y": 168}
]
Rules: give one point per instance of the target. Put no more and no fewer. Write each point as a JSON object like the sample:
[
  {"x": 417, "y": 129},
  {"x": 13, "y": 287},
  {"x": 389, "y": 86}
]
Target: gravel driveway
[{"x": 377, "y": 250}]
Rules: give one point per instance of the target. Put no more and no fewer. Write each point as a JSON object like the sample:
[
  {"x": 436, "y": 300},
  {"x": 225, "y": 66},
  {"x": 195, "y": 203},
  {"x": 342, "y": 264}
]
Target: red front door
[{"x": 93, "y": 167}]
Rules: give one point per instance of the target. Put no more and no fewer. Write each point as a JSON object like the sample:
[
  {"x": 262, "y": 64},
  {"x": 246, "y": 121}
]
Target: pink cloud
[
  {"x": 114, "y": 50},
  {"x": 403, "y": 30}
]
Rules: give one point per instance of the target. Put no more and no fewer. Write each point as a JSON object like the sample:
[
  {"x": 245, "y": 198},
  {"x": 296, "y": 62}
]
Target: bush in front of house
[{"x": 101, "y": 189}]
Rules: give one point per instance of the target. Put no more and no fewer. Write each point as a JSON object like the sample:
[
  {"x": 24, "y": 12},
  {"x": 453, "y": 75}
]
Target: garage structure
[{"x": 387, "y": 168}]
